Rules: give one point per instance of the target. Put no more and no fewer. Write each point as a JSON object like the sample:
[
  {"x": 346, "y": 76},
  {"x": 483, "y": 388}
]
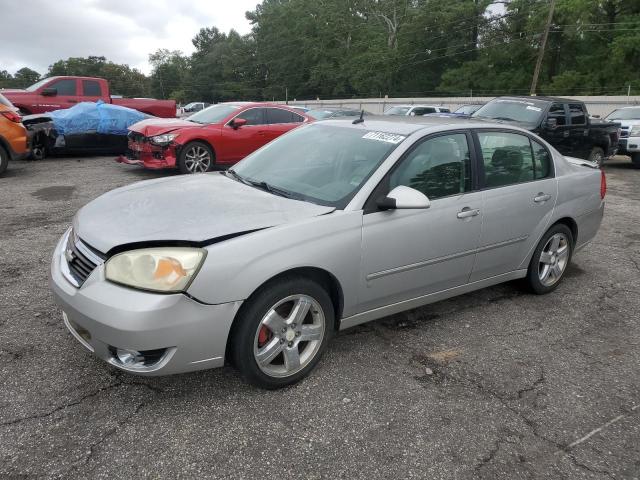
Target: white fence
[{"x": 601, "y": 105}]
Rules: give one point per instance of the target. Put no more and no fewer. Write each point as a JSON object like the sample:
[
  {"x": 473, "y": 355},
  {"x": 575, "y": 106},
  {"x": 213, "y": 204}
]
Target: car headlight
[
  {"x": 634, "y": 131},
  {"x": 168, "y": 269},
  {"x": 163, "y": 139}
]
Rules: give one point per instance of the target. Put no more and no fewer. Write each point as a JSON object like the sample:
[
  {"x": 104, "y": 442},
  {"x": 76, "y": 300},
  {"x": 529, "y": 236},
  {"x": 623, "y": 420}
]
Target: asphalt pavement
[{"x": 493, "y": 384}]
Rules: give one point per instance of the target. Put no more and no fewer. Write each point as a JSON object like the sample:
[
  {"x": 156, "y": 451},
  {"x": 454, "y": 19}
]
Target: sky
[{"x": 37, "y": 33}]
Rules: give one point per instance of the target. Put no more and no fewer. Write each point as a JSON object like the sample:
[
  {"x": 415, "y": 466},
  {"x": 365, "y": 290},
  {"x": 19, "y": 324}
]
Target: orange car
[{"x": 13, "y": 135}]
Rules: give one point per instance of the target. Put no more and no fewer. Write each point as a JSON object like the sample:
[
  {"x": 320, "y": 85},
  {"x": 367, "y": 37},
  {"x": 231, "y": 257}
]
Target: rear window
[
  {"x": 5, "y": 102},
  {"x": 91, "y": 88}
]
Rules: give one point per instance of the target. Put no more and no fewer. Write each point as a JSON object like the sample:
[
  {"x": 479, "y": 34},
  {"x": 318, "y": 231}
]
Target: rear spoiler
[{"x": 580, "y": 161}]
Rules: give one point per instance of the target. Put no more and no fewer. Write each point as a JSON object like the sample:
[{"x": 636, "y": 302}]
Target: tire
[
  {"x": 267, "y": 343},
  {"x": 596, "y": 155},
  {"x": 635, "y": 159},
  {"x": 4, "y": 160},
  {"x": 196, "y": 157},
  {"x": 550, "y": 260}
]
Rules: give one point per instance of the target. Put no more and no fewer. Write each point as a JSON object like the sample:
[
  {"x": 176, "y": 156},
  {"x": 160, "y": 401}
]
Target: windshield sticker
[
  {"x": 384, "y": 137},
  {"x": 535, "y": 109}
]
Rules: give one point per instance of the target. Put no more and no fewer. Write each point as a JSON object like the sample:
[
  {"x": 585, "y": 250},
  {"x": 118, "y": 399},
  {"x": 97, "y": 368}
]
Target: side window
[
  {"x": 278, "y": 115},
  {"x": 253, "y": 116},
  {"x": 557, "y": 111},
  {"x": 445, "y": 110},
  {"x": 423, "y": 110},
  {"x": 541, "y": 161},
  {"x": 91, "y": 88},
  {"x": 577, "y": 114},
  {"x": 438, "y": 167},
  {"x": 507, "y": 158},
  {"x": 66, "y": 86}
]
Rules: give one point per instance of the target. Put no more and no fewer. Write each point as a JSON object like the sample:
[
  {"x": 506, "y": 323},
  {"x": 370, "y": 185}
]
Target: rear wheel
[
  {"x": 635, "y": 159},
  {"x": 196, "y": 157},
  {"x": 550, "y": 259},
  {"x": 4, "y": 160},
  {"x": 281, "y": 333},
  {"x": 597, "y": 155}
]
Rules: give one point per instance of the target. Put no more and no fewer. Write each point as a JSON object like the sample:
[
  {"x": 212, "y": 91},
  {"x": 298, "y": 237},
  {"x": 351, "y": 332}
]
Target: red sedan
[{"x": 220, "y": 135}]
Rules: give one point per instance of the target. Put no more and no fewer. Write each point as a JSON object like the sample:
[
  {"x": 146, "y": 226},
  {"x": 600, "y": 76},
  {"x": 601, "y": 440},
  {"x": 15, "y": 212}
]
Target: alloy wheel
[
  {"x": 554, "y": 259},
  {"x": 197, "y": 159},
  {"x": 289, "y": 336}
]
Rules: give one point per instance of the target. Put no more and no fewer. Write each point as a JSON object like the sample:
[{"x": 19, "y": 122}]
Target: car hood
[
  {"x": 159, "y": 126},
  {"x": 191, "y": 208}
]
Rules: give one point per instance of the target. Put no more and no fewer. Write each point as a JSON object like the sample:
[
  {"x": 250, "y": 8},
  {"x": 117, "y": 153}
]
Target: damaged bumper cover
[{"x": 141, "y": 151}]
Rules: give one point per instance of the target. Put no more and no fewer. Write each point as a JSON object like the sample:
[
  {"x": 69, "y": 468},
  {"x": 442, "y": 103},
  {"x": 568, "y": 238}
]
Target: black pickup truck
[{"x": 562, "y": 122}]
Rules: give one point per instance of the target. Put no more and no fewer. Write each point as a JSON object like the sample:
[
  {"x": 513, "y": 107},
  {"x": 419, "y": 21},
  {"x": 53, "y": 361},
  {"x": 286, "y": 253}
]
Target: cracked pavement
[{"x": 494, "y": 384}]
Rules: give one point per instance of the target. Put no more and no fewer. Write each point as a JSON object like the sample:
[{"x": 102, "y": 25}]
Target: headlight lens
[
  {"x": 163, "y": 139},
  {"x": 634, "y": 131},
  {"x": 157, "y": 269}
]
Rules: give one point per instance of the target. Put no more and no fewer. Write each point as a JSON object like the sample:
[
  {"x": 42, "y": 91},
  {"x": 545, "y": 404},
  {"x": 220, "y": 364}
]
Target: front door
[
  {"x": 246, "y": 139},
  {"x": 409, "y": 253},
  {"x": 519, "y": 195},
  {"x": 559, "y": 136}
]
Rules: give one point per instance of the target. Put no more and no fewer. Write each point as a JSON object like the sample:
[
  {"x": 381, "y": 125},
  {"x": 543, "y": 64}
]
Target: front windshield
[
  {"x": 37, "y": 85},
  {"x": 214, "y": 114},
  {"x": 625, "y": 114},
  {"x": 329, "y": 173},
  {"x": 511, "y": 109},
  {"x": 397, "y": 111}
]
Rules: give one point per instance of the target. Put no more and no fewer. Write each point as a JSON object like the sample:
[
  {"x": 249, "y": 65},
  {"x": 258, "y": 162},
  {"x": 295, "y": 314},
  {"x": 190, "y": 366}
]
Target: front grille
[{"x": 81, "y": 259}]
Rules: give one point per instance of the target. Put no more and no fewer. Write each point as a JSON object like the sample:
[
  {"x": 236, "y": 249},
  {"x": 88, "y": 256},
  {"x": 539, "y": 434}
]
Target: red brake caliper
[{"x": 264, "y": 335}]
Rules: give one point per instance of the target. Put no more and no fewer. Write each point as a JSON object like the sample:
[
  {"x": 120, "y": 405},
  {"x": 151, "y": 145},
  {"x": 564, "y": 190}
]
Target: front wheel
[
  {"x": 550, "y": 259},
  {"x": 196, "y": 157},
  {"x": 281, "y": 333},
  {"x": 596, "y": 155}
]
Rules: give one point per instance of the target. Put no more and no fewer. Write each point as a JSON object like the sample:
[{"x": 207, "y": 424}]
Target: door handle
[
  {"x": 541, "y": 197},
  {"x": 467, "y": 212}
]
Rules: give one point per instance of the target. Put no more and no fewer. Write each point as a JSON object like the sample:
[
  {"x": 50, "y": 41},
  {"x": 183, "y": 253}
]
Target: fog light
[{"x": 129, "y": 358}]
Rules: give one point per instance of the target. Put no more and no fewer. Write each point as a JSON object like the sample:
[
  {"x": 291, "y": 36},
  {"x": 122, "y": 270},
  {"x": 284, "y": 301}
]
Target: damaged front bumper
[{"x": 142, "y": 152}]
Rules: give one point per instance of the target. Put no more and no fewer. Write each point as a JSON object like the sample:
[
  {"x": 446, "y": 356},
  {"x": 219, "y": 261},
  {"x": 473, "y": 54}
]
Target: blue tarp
[{"x": 100, "y": 117}]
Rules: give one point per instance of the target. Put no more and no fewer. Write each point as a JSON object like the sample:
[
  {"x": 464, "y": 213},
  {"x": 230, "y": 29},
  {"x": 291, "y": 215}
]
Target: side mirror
[
  {"x": 236, "y": 123},
  {"x": 49, "y": 92},
  {"x": 551, "y": 123},
  {"x": 402, "y": 197}
]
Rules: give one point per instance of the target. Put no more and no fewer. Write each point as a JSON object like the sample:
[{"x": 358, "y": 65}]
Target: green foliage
[{"x": 349, "y": 48}]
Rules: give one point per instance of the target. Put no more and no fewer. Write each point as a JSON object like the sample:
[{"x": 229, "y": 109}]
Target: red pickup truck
[{"x": 55, "y": 93}]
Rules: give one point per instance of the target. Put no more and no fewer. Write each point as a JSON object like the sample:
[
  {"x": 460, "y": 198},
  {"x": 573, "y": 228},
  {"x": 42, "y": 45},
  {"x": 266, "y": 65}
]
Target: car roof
[
  {"x": 255, "y": 104},
  {"x": 406, "y": 125},
  {"x": 540, "y": 98}
]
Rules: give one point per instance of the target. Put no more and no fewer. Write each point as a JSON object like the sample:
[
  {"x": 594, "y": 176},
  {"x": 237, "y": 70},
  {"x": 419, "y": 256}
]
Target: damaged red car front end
[{"x": 152, "y": 144}]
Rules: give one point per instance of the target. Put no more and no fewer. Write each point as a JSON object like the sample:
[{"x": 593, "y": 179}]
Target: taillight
[
  {"x": 14, "y": 117},
  {"x": 603, "y": 185}
]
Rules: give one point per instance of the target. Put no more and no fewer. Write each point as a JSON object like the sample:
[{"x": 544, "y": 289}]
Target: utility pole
[
  {"x": 536, "y": 73},
  {"x": 286, "y": 95}
]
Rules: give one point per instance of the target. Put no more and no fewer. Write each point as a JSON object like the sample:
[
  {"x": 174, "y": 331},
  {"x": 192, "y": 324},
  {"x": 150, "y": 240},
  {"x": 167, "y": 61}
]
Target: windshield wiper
[
  {"x": 271, "y": 189},
  {"x": 233, "y": 174}
]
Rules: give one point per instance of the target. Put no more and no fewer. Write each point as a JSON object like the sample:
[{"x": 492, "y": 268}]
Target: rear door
[
  {"x": 410, "y": 253},
  {"x": 281, "y": 121},
  {"x": 519, "y": 194},
  {"x": 91, "y": 91}
]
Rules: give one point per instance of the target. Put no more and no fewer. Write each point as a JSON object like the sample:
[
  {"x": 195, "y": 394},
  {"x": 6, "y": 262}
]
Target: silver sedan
[{"x": 332, "y": 225}]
